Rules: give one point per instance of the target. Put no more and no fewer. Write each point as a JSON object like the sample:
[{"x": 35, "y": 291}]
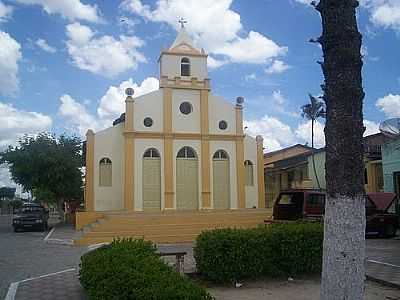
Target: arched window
[
  {"x": 185, "y": 66},
  {"x": 248, "y": 170},
  {"x": 186, "y": 152},
  {"x": 221, "y": 155},
  {"x": 151, "y": 152},
  {"x": 105, "y": 172}
]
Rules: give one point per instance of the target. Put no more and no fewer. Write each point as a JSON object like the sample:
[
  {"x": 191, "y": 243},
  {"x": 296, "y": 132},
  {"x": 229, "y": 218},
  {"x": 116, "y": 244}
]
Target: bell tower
[{"x": 182, "y": 63}]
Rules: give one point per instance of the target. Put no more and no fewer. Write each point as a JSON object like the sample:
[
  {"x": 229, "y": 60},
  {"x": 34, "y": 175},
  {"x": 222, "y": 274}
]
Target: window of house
[
  {"x": 223, "y": 125},
  {"x": 148, "y": 122},
  {"x": 248, "y": 167},
  {"x": 105, "y": 172},
  {"x": 186, "y": 152},
  {"x": 152, "y": 152},
  {"x": 185, "y": 108},
  {"x": 185, "y": 66}
]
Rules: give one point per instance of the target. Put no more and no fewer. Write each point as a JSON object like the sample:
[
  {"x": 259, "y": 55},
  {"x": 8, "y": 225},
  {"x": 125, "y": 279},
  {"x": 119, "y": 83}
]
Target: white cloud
[
  {"x": 69, "y": 9},
  {"x": 371, "y": 127},
  {"x": 105, "y": 55},
  {"x": 112, "y": 104},
  {"x": 217, "y": 28},
  {"x": 390, "y": 105},
  {"x": 14, "y": 123},
  {"x": 277, "y": 67},
  {"x": 276, "y": 134},
  {"x": 303, "y": 1},
  {"x": 42, "y": 44},
  {"x": 249, "y": 77},
  {"x": 77, "y": 117},
  {"x": 213, "y": 63},
  {"x": 10, "y": 55},
  {"x": 384, "y": 13},
  {"x": 5, "y": 12},
  {"x": 303, "y": 133}
]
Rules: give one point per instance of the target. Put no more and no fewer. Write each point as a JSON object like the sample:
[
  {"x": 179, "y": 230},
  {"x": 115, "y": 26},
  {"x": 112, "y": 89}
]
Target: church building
[{"x": 179, "y": 148}]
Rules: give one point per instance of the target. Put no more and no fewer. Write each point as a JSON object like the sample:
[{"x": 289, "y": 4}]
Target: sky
[{"x": 64, "y": 64}]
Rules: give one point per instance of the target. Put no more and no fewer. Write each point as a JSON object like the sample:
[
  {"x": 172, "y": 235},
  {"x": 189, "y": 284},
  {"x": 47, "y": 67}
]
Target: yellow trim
[
  {"x": 168, "y": 153},
  {"x": 89, "y": 176},
  {"x": 179, "y": 83},
  {"x": 240, "y": 158},
  {"x": 260, "y": 172},
  {"x": 182, "y": 136},
  {"x": 205, "y": 151},
  {"x": 129, "y": 152}
]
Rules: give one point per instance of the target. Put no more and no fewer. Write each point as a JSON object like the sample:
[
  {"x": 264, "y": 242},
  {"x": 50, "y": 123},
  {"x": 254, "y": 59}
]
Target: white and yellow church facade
[{"x": 178, "y": 149}]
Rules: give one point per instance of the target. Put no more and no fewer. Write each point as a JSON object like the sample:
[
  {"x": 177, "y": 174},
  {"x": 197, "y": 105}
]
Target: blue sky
[{"x": 65, "y": 63}]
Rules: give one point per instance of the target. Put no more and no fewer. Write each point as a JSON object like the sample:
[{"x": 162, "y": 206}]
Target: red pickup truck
[{"x": 310, "y": 204}]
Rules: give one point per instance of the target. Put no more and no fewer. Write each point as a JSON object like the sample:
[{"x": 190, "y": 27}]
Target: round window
[
  {"x": 222, "y": 125},
  {"x": 185, "y": 108},
  {"x": 148, "y": 122}
]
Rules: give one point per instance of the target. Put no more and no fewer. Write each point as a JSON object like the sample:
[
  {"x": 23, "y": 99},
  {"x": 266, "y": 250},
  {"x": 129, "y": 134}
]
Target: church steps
[{"x": 170, "y": 227}]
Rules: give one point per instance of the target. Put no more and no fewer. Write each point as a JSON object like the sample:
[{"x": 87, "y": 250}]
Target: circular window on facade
[
  {"x": 223, "y": 125},
  {"x": 185, "y": 108},
  {"x": 148, "y": 122}
]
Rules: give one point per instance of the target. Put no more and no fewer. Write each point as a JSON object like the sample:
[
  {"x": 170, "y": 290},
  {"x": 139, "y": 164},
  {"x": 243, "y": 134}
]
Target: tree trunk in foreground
[{"x": 344, "y": 238}]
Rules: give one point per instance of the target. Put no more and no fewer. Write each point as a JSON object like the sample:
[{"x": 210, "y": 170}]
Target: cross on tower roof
[{"x": 183, "y": 22}]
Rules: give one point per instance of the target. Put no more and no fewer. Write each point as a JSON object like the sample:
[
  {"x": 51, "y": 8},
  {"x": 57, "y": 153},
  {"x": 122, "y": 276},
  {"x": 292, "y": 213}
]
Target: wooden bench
[{"x": 180, "y": 259}]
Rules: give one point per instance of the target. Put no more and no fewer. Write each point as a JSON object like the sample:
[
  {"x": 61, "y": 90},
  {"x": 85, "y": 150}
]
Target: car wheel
[
  {"x": 15, "y": 229},
  {"x": 44, "y": 227},
  {"x": 390, "y": 230}
]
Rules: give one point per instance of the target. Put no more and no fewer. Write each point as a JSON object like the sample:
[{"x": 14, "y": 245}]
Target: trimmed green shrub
[
  {"x": 285, "y": 249},
  {"x": 131, "y": 269}
]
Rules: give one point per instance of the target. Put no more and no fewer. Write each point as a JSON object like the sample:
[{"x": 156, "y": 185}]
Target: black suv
[{"x": 31, "y": 216}]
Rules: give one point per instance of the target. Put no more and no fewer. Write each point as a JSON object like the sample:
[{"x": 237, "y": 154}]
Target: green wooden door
[
  {"x": 151, "y": 183},
  {"x": 187, "y": 183},
  {"x": 221, "y": 186}
]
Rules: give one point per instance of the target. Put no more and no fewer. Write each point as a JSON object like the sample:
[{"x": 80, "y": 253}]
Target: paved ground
[
  {"x": 24, "y": 255},
  {"x": 383, "y": 260},
  {"x": 305, "y": 289}
]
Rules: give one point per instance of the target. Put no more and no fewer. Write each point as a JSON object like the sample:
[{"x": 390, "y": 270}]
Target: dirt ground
[{"x": 305, "y": 289}]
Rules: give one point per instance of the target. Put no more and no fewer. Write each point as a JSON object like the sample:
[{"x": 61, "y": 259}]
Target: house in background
[
  {"x": 391, "y": 166},
  {"x": 292, "y": 168},
  {"x": 285, "y": 169}
]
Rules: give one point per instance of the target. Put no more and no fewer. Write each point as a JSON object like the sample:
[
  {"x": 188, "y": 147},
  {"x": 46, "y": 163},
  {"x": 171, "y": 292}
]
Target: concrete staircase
[{"x": 168, "y": 227}]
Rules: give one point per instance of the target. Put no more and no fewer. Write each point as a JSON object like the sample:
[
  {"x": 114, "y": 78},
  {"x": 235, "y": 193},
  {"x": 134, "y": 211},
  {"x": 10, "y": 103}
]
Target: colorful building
[
  {"x": 391, "y": 166},
  {"x": 180, "y": 148}
]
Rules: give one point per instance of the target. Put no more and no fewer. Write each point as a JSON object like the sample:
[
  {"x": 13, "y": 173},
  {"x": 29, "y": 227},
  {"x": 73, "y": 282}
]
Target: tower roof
[{"x": 182, "y": 38}]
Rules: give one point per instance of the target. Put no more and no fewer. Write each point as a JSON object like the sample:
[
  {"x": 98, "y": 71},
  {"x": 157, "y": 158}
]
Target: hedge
[
  {"x": 286, "y": 249},
  {"x": 131, "y": 269}
]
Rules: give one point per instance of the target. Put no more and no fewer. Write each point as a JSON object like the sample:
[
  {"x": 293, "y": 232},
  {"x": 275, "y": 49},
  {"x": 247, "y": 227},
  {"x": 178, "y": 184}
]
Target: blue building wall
[{"x": 390, "y": 163}]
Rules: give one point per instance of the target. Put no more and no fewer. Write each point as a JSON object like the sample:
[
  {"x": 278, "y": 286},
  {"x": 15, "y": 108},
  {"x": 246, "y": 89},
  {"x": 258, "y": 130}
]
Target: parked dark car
[
  {"x": 31, "y": 216},
  {"x": 381, "y": 218}
]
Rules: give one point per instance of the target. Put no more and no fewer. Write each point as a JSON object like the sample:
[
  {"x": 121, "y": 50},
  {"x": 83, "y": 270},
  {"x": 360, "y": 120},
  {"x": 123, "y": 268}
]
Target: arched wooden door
[
  {"x": 221, "y": 182},
  {"x": 151, "y": 180},
  {"x": 187, "y": 179}
]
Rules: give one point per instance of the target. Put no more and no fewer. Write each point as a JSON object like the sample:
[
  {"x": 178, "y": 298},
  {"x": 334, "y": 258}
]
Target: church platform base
[{"x": 167, "y": 227}]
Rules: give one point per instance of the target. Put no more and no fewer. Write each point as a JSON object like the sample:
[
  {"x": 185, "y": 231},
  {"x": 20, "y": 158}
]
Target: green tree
[
  {"x": 47, "y": 165},
  {"x": 343, "y": 271},
  {"x": 313, "y": 111}
]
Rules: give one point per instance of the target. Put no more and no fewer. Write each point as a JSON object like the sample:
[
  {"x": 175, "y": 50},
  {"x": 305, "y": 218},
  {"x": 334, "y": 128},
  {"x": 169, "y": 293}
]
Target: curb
[{"x": 383, "y": 282}]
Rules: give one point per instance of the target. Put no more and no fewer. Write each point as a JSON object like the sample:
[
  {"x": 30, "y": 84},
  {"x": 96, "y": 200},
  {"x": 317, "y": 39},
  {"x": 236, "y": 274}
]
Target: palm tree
[
  {"x": 343, "y": 270},
  {"x": 313, "y": 111}
]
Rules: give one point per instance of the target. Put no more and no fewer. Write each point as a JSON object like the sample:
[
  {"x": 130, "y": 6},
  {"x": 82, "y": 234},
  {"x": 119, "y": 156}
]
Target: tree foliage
[{"x": 47, "y": 166}]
